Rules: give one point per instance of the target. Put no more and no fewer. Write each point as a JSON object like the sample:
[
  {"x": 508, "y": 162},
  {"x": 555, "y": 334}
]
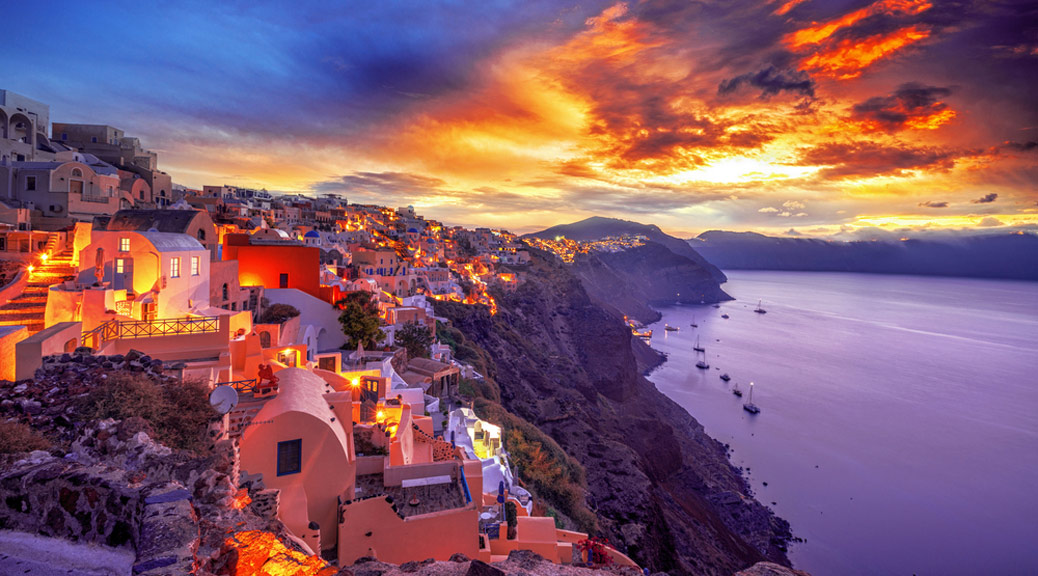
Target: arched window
[
  {"x": 265, "y": 339},
  {"x": 201, "y": 235},
  {"x": 225, "y": 291},
  {"x": 77, "y": 173}
]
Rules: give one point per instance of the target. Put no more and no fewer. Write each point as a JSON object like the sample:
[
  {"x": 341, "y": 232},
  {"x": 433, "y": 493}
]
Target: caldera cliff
[{"x": 559, "y": 365}]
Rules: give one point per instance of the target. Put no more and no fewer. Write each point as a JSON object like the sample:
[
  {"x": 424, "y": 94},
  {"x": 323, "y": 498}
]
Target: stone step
[
  {"x": 22, "y": 314},
  {"x": 17, "y": 304}
]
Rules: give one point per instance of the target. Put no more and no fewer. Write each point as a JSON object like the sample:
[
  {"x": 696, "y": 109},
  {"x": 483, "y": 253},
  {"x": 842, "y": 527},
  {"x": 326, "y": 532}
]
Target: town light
[
  {"x": 380, "y": 416},
  {"x": 31, "y": 268},
  {"x": 355, "y": 382},
  {"x": 44, "y": 256}
]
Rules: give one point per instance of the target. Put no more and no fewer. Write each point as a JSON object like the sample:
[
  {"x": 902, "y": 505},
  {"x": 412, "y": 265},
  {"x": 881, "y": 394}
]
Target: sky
[{"x": 800, "y": 117}]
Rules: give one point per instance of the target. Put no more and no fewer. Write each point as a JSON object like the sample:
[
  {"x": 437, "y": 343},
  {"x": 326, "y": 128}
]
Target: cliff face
[
  {"x": 661, "y": 488},
  {"x": 629, "y": 281}
]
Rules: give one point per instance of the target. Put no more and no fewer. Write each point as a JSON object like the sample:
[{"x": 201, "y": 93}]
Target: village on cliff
[{"x": 358, "y": 447}]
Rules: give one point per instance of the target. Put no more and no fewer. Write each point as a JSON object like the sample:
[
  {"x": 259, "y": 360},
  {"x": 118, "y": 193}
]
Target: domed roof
[{"x": 312, "y": 234}]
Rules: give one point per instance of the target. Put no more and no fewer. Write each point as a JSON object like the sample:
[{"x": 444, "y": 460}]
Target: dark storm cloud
[
  {"x": 771, "y": 81},
  {"x": 986, "y": 199},
  {"x": 1021, "y": 146},
  {"x": 932, "y": 204},
  {"x": 865, "y": 159},
  {"x": 911, "y": 102}
]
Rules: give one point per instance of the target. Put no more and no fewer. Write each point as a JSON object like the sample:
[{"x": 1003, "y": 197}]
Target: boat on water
[
  {"x": 702, "y": 365},
  {"x": 737, "y": 391},
  {"x": 725, "y": 377},
  {"x": 725, "y": 316},
  {"x": 760, "y": 310},
  {"x": 697, "y": 347},
  {"x": 749, "y": 406},
  {"x": 693, "y": 324},
  {"x": 717, "y": 305},
  {"x": 670, "y": 328}
]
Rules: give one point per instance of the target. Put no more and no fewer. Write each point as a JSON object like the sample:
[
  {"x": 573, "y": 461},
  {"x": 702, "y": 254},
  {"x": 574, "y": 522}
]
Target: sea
[{"x": 898, "y": 424}]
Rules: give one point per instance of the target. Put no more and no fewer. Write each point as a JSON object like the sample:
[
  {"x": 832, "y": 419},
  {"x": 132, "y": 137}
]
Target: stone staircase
[{"x": 29, "y": 308}]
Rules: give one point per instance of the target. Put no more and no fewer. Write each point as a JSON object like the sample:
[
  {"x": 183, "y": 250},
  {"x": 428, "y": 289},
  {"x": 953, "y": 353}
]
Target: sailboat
[
  {"x": 697, "y": 347},
  {"x": 749, "y": 406},
  {"x": 725, "y": 377},
  {"x": 670, "y": 328},
  {"x": 702, "y": 364},
  {"x": 737, "y": 391},
  {"x": 760, "y": 310},
  {"x": 694, "y": 325}
]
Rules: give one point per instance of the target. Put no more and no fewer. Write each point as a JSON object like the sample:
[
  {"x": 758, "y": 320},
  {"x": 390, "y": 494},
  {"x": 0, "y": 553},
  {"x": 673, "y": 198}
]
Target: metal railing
[
  {"x": 118, "y": 329},
  {"x": 242, "y": 386}
]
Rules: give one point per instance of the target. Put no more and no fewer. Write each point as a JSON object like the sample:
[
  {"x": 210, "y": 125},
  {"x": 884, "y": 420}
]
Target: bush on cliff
[
  {"x": 17, "y": 437},
  {"x": 543, "y": 465},
  {"x": 178, "y": 413}
]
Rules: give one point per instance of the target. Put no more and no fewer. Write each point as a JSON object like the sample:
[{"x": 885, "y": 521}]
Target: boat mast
[{"x": 751, "y": 394}]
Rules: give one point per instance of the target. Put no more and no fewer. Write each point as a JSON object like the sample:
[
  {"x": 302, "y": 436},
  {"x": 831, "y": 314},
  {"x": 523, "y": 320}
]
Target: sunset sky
[{"x": 802, "y": 117}]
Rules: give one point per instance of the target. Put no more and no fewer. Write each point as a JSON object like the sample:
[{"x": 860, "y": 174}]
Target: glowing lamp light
[
  {"x": 31, "y": 268},
  {"x": 380, "y": 416},
  {"x": 44, "y": 256},
  {"x": 355, "y": 382}
]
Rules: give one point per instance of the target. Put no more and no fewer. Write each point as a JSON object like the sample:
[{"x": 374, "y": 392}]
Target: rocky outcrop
[
  {"x": 632, "y": 280},
  {"x": 662, "y": 490}
]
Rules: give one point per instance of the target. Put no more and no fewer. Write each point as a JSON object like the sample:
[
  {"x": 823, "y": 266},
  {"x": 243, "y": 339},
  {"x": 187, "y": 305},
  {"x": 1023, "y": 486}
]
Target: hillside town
[{"x": 310, "y": 320}]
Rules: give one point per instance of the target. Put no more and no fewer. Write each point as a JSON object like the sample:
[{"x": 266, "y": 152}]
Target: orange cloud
[
  {"x": 847, "y": 54},
  {"x": 820, "y": 32},
  {"x": 786, "y": 7},
  {"x": 849, "y": 57}
]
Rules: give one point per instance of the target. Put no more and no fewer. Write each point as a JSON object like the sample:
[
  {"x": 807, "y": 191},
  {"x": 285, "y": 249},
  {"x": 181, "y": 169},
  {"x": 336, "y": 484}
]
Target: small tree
[
  {"x": 415, "y": 338},
  {"x": 359, "y": 320}
]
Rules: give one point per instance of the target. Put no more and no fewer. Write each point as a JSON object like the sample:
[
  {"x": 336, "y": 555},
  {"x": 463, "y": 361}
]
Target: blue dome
[{"x": 312, "y": 234}]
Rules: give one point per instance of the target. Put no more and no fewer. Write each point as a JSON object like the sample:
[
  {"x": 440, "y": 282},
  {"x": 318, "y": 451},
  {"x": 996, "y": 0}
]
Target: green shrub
[
  {"x": 278, "y": 314},
  {"x": 17, "y": 437},
  {"x": 178, "y": 412}
]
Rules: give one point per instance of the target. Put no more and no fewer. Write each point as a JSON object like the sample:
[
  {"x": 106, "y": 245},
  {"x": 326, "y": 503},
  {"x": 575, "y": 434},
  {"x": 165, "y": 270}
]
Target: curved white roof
[
  {"x": 301, "y": 391},
  {"x": 172, "y": 242}
]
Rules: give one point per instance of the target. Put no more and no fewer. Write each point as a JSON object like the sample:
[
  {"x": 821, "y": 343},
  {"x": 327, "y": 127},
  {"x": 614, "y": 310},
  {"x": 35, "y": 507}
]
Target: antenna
[{"x": 223, "y": 399}]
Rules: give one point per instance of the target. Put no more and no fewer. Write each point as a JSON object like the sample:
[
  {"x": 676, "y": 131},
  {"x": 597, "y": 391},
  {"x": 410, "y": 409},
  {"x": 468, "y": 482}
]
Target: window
[
  {"x": 265, "y": 339},
  {"x": 30, "y": 182},
  {"x": 120, "y": 265},
  {"x": 195, "y": 264},
  {"x": 174, "y": 267},
  {"x": 77, "y": 173},
  {"x": 283, "y": 281},
  {"x": 124, "y": 244},
  {"x": 290, "y": 457},
  {"x": 142, "y": 194},
  {"x": 93, "y": 139},
  {"x": 234, "y": 306},
  {"x": 111, "y": 191},
  {"x": 201, "y": 235},
  {"x": 64, "y": 136},
  {"x": 225, "y": 291}
]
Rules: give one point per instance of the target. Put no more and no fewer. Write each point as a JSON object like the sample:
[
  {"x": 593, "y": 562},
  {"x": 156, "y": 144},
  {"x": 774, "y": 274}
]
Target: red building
[{"x": 275, "y": 264}]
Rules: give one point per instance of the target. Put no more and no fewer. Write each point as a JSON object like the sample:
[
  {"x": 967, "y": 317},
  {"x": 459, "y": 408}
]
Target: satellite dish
[{"x": 223, "y": 399}]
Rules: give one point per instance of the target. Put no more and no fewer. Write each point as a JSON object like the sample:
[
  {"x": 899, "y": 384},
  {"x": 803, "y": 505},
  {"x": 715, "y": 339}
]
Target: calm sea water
[{"x": 898, "y": 430}]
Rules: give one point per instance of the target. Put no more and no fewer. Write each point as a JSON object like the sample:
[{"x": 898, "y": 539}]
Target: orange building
[{"x": 275, "y": 264}]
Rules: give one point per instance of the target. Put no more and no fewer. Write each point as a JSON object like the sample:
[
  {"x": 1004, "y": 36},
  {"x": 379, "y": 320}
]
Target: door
[{"x": 75, "y": 187}]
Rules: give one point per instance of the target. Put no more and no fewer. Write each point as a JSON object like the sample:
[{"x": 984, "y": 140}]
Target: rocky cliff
[
  {"x": 633, "y": 280},
  {"x": 659, "y": 487}
]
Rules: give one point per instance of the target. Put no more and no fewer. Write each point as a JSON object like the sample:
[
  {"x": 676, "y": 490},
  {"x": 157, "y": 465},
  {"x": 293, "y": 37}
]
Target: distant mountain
[
  {"x": 663, "y": 271},
  {"x": 1008, "y": 256},
  {"x": 598, "y": 227}
]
